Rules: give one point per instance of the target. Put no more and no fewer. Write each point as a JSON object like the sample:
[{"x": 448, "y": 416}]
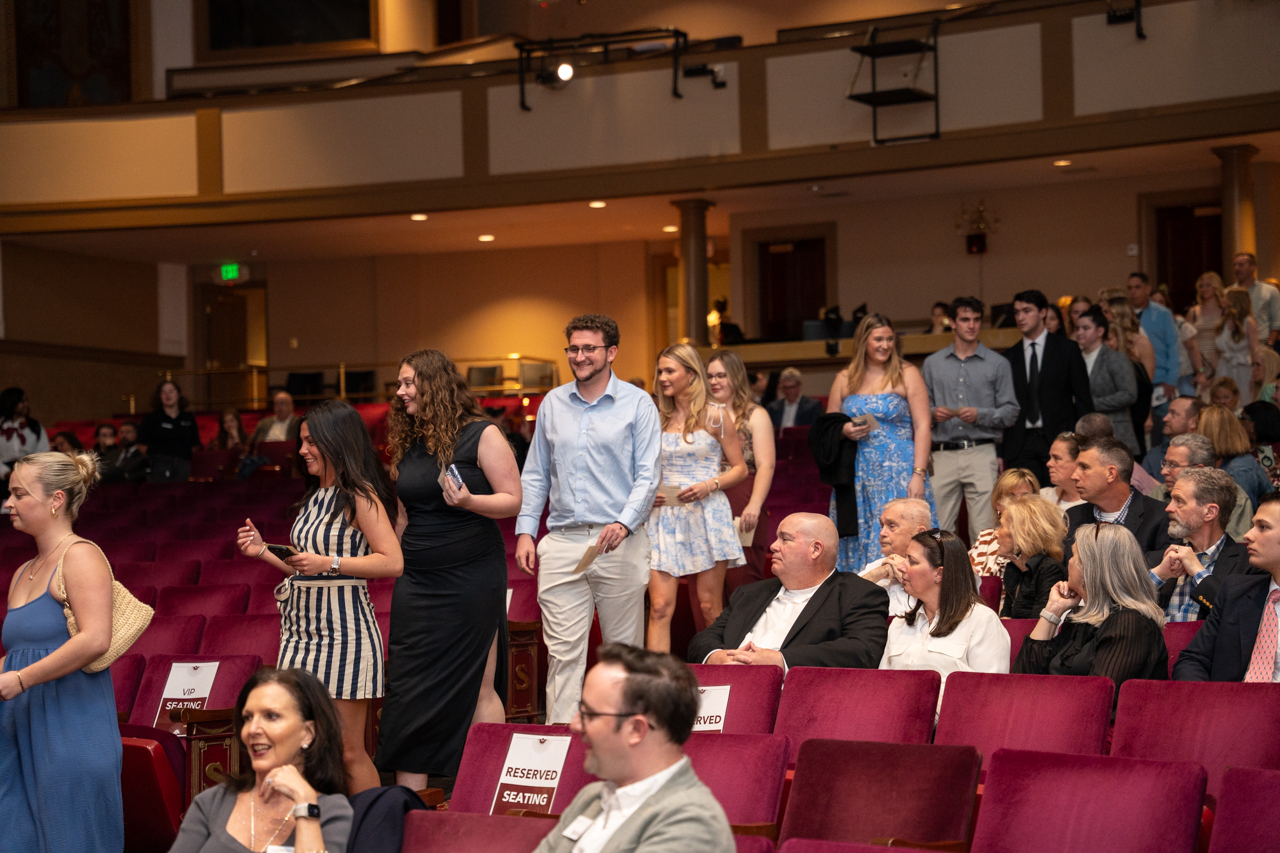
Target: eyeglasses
[
  {"x": 588, "y": 351},
  {"x": 1169, "y": 466},
  {"x": 584, "y": 711}
]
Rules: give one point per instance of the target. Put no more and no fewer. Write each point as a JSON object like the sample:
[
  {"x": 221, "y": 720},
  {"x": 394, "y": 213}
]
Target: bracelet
[
  {"x": 1050, "y": 616},
  {"x": 21, "y": 683},
  {"x": 263, "y": 551},
  {"x": 716, "y": 480},
  {"x": 921, "y": 471}
]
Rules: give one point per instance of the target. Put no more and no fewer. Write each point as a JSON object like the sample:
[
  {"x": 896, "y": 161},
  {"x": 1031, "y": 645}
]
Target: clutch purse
[{"x": 129, "y": 616}]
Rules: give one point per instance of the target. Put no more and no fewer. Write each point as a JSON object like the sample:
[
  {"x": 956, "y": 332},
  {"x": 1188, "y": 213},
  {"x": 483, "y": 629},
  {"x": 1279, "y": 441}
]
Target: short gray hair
[
  {"x": 1199, "y": 448},
  {"x": 914, "y": 510},
  {"x": 1212, "y": 486}
]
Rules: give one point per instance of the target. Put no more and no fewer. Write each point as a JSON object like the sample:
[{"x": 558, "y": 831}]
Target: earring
[
  {"x": 54, "y": 510},
  {"x": 306, "y": 745}
]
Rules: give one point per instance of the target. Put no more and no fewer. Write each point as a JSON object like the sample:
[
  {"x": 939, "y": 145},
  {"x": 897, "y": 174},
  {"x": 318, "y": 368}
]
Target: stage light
[{"x": 565, "y": 72}]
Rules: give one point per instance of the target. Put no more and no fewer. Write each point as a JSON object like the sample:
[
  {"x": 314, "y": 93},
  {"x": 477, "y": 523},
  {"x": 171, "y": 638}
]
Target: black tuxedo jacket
[
  {"x": 1064, "y": 391},
  {"x": 807, "y": 411},
  {"x": 1232, "y": 560},
  {"x": 1222, "y": 648},
  {"x": 845, "y": 623},
  {"x": 1146, "y": 520}
]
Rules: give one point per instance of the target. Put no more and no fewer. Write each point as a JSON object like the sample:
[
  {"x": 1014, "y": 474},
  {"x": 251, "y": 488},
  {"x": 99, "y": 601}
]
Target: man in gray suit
[{"x": 637, "y": 708}]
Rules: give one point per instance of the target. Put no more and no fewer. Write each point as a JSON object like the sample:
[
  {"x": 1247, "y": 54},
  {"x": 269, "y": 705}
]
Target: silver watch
[{"x": 333, "y": 567}]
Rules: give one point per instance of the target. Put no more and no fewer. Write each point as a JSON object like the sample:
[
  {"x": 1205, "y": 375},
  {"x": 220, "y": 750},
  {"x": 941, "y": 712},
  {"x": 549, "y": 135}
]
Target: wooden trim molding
[
  {"x": 63, "y": 352},
  {"x": 140, "y": 50},
  {"x": 205, "y": 56},
  {"x": 209, "y": 152}
]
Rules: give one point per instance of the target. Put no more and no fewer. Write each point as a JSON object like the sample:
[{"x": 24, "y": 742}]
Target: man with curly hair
[{"x": 594, "y": 457}]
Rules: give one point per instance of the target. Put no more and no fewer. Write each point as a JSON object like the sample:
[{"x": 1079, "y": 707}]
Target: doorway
[
  {"x": 1188, "y": 244},
  {"x": 793, "y": 286},
  {"x": 235, "y": 342}
]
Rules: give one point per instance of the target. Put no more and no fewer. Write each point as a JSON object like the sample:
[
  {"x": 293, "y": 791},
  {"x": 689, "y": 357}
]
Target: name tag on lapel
[{"x": 580, "y": 824}]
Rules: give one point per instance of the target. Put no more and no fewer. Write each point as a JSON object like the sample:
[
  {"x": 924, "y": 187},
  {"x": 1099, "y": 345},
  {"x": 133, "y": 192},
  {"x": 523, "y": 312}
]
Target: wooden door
[
  {"x": 1188, "y": 244},
  {"x": 793, "y": 287},
  {"x": 227, "y": 347}
]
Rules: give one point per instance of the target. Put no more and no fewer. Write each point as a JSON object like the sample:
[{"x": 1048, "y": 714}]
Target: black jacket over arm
[
  {"x": 837, "y": 461},
  {"x": 845, "y": 623},
  {"x": 1147, "y": 521},
  {"x": 1233, "y": 559},
  {"x": 1064, "y": 391},
  {"x": 1222, "y": 648}
]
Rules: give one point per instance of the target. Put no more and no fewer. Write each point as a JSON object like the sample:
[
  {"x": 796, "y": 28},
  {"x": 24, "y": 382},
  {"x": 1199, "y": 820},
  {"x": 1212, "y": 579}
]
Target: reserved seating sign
[
  {"x": 531, "y": 773},
  {"x": 712, "y": 704},
  {"x": 188, "y": 686}
]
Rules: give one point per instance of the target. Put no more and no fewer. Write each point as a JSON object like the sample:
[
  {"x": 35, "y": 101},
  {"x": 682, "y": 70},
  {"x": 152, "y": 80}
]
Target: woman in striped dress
[{"x": 344, "y": 534}]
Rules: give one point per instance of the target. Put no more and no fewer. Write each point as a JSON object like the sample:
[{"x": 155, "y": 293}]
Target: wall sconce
[{"x": 975, "y": 225}]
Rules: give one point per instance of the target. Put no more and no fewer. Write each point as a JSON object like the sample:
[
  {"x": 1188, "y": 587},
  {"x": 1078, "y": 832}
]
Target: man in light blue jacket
[{"x": 1157, "y": 322}]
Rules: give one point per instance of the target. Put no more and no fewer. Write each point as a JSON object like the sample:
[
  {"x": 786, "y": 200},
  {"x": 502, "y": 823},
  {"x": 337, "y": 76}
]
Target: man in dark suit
[
  {"x": 809, "y": 615},
  {"x": 1102, "y": 474},
  {"x": 1051, "y": 383},
  {"x": 1188, "y": 575},
  {"x": 130, "y": 464},
  {"x": 1238, "y": 640},
  {"x": 792, "y": 408}
]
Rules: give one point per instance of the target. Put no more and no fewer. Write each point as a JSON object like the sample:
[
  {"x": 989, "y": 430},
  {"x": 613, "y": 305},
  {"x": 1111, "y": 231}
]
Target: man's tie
[
  {"x": 1033, "y": 388},
  {"x": 1263, "y": 663}
]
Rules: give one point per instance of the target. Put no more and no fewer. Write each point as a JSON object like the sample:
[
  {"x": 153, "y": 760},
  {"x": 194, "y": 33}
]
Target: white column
[{"x": 171, "y": 303}]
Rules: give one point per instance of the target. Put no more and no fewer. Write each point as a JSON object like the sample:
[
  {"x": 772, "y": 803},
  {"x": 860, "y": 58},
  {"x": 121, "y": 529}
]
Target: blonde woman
[
  {"x": 691, "y": 531},
  {"x": 984, "y": 555},
  {"x": 1106, "y": 608},
  {"x": 893, "y": 450},
  {"x": 1237, "y": 342},
  {"x": 1211, "y": 298},
  {"x": 1030, "y": 542},
  {"x": 1234, "y": 451},
  {"x": 728, "y": 384}
]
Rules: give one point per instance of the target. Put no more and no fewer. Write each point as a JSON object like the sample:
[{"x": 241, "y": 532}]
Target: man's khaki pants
[
  {"x": 614, "y": 585},
  {"x": 968, "y": 473}
]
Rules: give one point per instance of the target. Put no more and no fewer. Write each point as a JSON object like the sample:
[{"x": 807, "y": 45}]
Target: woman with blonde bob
[
  {"x": 728, "y": 384},
  {"x": 887, "y": 404},
  {"x": 1110, "y": 622},
  {"x": 1234, "y": 451},
  {"x": 985, "y": 553},
  {"x": 59, "y": 743},
  {"x": 1030, "y": 542},
  {"x": 691, "y": 524}
]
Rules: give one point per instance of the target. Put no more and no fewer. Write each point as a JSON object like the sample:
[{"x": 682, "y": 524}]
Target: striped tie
[{"x": 1263, "y": 663}]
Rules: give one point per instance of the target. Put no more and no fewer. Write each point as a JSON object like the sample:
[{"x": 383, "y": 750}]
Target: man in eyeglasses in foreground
[{"x": 638, "y": 708}]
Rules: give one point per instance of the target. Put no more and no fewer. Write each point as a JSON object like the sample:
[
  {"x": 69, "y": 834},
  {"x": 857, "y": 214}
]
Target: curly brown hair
[{"x": 445, "y": 406}]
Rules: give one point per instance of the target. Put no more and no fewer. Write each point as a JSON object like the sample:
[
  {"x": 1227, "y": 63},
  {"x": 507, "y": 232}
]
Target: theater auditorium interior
[{"x": 252, "y": 198}]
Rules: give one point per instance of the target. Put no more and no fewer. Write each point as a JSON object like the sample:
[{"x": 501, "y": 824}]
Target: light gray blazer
[
  {"x": 681, "y": 817},
  {"x": 1115, "y": 388}
]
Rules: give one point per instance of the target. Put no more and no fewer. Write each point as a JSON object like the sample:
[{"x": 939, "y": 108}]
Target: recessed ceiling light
[
  {"x": 418, "y": 217},
  {"x": 487, "y": 238},
  {"x": 1062, "y": 162},
  {"x": 596, "y": 204},
  {"x": 671, "y": 229}
]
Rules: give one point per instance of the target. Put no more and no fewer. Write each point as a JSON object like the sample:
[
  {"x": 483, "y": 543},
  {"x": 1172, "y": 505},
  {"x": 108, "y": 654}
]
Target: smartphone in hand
[
  {"x": 452, "y": 473},
  {"x": 284, "y": 552}
]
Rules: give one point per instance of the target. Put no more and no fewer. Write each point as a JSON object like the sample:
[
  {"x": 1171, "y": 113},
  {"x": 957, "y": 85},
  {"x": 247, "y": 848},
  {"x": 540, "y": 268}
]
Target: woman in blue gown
[
  {"x": 893, "y": 455},
  {"x": 60, "y": 751}
]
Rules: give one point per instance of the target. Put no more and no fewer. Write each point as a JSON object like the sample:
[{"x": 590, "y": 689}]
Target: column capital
[
  {"x": 1244, "y": 152},
  {"x": 704, "y": 204}
]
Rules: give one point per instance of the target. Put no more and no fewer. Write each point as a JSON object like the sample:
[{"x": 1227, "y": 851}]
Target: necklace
[
  {"x": 253, "y": 842},
  {"x": 42, "y": 560}
]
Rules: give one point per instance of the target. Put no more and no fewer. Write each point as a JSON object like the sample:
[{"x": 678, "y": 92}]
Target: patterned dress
[
  {"x": 885, "y": 460},
  {"x": 1233, "y": 361},
  {"x": 691, "y": 538}
]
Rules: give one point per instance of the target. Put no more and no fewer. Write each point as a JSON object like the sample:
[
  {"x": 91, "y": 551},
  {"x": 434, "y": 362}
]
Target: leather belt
[{"x": 962, "y": 445}]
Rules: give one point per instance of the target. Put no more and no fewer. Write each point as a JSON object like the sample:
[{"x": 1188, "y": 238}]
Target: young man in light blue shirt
[
  {"x": 1157, "y": 322},
  {"x": 595, "y": 457}
]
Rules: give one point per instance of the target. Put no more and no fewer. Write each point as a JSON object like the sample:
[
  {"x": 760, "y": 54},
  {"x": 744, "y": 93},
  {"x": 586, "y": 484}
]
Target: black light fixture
[{"x": 554, "y": 71}]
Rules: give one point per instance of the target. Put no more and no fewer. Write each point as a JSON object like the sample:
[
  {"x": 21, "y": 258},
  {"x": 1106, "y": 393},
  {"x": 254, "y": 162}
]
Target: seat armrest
[
  {"x": 953, "y": 846},
  {"x": 765, "y": 830},
  {"x": 431, "y": 797},
  {"x": 531, "y": 813}
]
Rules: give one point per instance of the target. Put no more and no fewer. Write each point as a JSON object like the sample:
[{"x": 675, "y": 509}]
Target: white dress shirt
[
  {"x": 1026, "y": 356},
  {"x": 789, "y": 413},
  {"x": 978, "y": 644},
  {"x": 771, "y": 629},
  {"x": 618, "y": 804},
  {"x": 899, "y": 601}
]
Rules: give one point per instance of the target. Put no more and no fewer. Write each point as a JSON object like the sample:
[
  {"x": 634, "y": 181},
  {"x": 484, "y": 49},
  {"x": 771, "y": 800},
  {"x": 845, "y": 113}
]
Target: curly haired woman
[{"x": 448, "y": 612}]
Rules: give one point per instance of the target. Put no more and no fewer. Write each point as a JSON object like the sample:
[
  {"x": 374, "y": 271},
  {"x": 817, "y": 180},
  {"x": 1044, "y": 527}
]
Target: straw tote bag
[{"x": 129, "y": 616}]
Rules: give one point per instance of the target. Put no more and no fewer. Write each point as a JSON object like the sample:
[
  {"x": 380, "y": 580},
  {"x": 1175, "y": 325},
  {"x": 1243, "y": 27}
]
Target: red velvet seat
[
  {"x": 384, "y": 628},
  {"x": 233, "y": 672},
  {"x": 380, "y": 590},
  {"x": 126, "y": 675},
  {"x": 215, "y": 572},
  {"x": 745, "y": 772},
  {"x": 1217, "y": 724},
  {"x": 131, "y": 552},
  {"x": 243, "y": 635},
  {"x": 216, "y": 530},
  {"x": 168, "y": 573},
  {"x": 1053, "y": 803},
  {"x": 1018, "y": 630},
  {"x": 186, "y": 515},
  {"x": 812, "y": 845},
  {"x": 754, "y": 693},
  {"x": 1053, "y": 713},
  {"x": 168, "y": 531},
  {"x": 145, "y": 594},
  {"x": 752, "y": 844},
  {"x": 262, "y": 600},
  {"x": 990, "y": 587},
  {"x": 12, "y": 557},
  {"x": 857, "y": 791},
  {"x": 467, "y": 832},
  {"x": 1247, "y": 820},
  {"x": 481, "y": 766},
  {"x": 214, "y": 464},
  {"x": 222, "y": 600},
  {"x": 524, "y": 599},
  {"x": 279, "y": 453},
  {"x": 890, "y": 706},
  {"x": 1177, "y": 636},
  {"x": 178, "y": 635},
  {"x": 197, "y": 549},
  {"x": 152, "y": 797}
]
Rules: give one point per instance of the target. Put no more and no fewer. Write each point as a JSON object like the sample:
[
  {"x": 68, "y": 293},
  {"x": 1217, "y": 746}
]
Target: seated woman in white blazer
[{"x": 949, "y": 629}]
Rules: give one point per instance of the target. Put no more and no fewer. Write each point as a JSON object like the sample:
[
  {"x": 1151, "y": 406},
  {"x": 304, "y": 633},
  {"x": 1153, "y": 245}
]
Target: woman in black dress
[
  {"x": 448, "y": 651},
  {"x": 1110, "y": 622}
]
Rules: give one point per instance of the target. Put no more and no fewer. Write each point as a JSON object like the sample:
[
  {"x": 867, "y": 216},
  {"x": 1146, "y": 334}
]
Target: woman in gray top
[
  {"x": 1112, "y": 382},
  {"x": 293, "y": 794}
]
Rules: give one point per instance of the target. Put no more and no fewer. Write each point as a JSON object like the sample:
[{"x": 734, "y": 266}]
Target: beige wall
[{"x": 78, "y": 388}]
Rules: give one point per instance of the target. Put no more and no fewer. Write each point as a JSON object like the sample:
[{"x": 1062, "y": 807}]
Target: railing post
[
  {"x": 254, "y": 379},
  {"x": 342, "y": 380},
  {"x": 133, "y": 405}
]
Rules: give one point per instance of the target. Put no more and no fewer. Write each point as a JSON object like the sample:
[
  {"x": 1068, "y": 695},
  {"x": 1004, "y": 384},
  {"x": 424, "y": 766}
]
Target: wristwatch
[
  {"x": 307, "y": 810},
  {"x": 333, "y": 567}
]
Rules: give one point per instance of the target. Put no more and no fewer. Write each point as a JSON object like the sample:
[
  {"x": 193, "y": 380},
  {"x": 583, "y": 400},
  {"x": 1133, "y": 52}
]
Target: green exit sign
[{"x": 230, "y": 272}]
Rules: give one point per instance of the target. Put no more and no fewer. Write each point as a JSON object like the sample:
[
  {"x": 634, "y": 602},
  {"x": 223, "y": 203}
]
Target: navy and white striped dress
[{"x": 327, "y": 625}]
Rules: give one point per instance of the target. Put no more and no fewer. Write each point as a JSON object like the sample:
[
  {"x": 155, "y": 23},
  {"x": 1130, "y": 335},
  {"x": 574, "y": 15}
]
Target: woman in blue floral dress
[
  {"x": 694, "y": 533},
  {"x": 893, "y": 457}
]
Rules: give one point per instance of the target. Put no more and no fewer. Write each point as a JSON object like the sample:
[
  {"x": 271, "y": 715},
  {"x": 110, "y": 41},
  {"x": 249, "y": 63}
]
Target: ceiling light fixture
[
  {"x": 671, "y": 229},
  {"x": 555, "y": 78},
  {"x": 487, "y": 238},
  {"x": 596, "y": 204},
  {"x": 1062, "y": 162},
  {"x": 418, "y": 217}
]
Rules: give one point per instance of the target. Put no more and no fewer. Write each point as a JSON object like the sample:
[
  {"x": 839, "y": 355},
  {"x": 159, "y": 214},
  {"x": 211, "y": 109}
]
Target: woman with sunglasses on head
[
  {"x": 949, "y": 628},
  {"x": 344, "y": 535}
]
